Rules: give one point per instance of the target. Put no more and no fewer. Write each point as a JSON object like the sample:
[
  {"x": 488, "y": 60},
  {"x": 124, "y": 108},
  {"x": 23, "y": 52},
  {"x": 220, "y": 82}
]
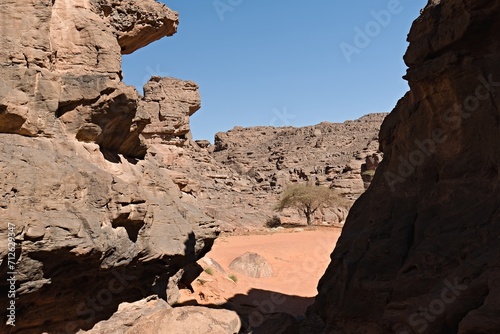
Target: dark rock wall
[{"x": 419, "y": 252}]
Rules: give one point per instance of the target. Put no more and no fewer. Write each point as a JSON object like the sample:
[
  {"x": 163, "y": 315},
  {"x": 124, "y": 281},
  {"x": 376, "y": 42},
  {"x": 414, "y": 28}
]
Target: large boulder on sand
[{"x": 252, "y": 264}]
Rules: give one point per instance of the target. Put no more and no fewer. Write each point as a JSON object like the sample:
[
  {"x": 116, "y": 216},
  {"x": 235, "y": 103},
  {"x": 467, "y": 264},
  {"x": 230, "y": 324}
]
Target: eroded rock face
[
  {"x": 320, "y": 154},
  {"x": 169, "y": 103},
  {"x": 60, "y": 68},
  {"x": 97, "y": 220},
  {"x": 328, "y": 154},
  {"x": 419, "y": 250},
  {"x": 152, "y": 316},
  {"x": 238, "y": 180}
]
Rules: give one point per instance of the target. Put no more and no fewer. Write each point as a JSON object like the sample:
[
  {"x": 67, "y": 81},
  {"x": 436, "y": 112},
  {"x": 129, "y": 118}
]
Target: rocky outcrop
[
  {"x": 138, "y": 24},
  {"x": 82, "y": 221},
  {"x": 95, "y": 218},
  {"x": 274, "y": 157},
  {"x": 152, "y": 316},
  {"x": 60, "y": 68},
  {"x": 169, "y": 103},
  {"x": 419, "y": 250},
  {"x": 238, "y": 180},
  {"x": 328, "y": 154},
  {"x": 105, "y": 197}
]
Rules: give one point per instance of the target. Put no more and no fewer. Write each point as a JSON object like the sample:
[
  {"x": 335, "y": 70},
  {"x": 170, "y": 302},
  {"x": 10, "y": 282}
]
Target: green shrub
[
  {"x": 308, "y": 199},
  {"x": 369, "y": 172},
  {"x": 274, "y": 221}
]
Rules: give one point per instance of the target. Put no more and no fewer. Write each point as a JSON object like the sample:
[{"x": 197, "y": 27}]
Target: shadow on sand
[{"x": 264, "y": 312}]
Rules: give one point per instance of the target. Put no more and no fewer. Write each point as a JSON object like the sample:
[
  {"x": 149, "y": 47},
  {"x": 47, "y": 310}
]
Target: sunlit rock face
[
  {"x": 61, "y": 68},
  {"x": 419, "y": 250},
  {"x": 96, "y": 218},
  {"x": 265, "y": 160}
]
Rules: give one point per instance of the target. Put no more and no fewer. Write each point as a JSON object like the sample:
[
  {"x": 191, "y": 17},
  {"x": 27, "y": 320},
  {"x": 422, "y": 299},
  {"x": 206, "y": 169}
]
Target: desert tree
[{"x": 308, "y": 199}]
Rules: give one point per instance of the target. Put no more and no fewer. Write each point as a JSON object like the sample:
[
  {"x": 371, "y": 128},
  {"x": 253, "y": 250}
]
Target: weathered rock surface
[
  {"x": 157, "y": 317},
  {"x": 189, "y": 320},
  {"x": 239, "y": 180},
  {"x": 328, "y": 154},
  {"x": 109, "y": 197},
  {"x": 128, "y": 315},
  {"x": 274, "y": 157},
  {"x": 60, "y": 68},
  {"x": 252, "y": 265},
  {"x": 419, "y": 250},
  {"x": 169, "y": 102},
  {"x": 97, "y": 218}
]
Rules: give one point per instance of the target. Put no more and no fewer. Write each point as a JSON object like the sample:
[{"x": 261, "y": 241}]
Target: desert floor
[{"x": 298, "y": 258}]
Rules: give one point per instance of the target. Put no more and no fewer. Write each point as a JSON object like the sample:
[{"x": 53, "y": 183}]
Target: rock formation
[
  {"x": 329, "y": 154},
  {"x": 239, "y": 179},
  {"x": 152, "y": 316},
  {"x": 97, "y": 220},
  {"x": 252, "y": 265},
  {"x": 107, "y": 198},
  {"x": 419, "y": 250}
]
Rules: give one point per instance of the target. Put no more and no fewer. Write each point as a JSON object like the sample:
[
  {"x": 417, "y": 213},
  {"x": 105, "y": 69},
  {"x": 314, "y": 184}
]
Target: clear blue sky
[{"x": 282, "y": 62}]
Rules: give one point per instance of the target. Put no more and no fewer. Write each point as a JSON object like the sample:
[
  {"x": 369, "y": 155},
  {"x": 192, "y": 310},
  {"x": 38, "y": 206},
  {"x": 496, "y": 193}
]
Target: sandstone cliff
[
  {"x": 94, "y": 217},
  {"x": 419, "y": 250}
]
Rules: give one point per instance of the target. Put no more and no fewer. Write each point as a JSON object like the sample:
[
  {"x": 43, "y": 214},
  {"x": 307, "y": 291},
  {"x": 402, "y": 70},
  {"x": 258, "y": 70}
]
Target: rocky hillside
[
  {"x": 419, "y": 250},
  {"x": 274, "y": 157},
  {"x": 89, "y": 216},
  {"x": 238, "y": 180},
  {"x": 341, "y": 156}
]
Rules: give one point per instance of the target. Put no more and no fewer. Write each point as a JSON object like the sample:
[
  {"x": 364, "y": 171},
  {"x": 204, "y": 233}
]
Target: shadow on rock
[{"x": 263, "y": 312}]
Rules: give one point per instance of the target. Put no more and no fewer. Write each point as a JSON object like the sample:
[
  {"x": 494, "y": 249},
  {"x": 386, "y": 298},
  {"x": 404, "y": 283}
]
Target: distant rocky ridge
[
  {"x": 335, "y": 155},
  {"x": 238, "y": 180},
  {"x": 419, "y": 250}
]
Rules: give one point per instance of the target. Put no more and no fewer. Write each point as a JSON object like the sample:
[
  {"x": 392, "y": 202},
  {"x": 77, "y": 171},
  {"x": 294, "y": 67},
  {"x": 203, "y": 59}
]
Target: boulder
[
  {"x": 153, "y": 316},
  {"x": 189, "y": 320},
  {"x": 252, "y": 265}
]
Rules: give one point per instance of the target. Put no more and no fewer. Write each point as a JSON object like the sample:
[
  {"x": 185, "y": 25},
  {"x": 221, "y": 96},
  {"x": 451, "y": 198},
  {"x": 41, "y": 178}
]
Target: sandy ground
[{"x": 298, "y": 258}]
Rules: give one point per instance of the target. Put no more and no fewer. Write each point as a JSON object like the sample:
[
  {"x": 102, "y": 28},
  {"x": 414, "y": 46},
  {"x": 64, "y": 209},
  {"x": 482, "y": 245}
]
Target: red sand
[{"x": 298, "y": 260}]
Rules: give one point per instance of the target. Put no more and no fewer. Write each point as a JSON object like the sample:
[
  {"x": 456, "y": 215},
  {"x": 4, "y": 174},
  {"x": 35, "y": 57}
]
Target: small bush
[
  {"x": 369, "y": 172},
  {"x": 274, "y": 221},
  {"x": 209, "y": 271},
  {"x": 233, "y": 278}
]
